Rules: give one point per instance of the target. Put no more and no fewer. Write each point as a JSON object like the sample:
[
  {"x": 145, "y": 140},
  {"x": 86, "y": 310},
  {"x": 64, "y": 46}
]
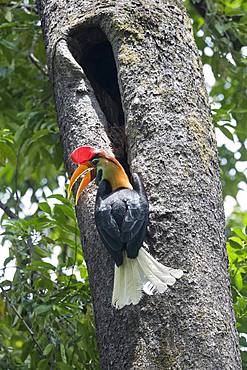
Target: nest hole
[{"x": 92, "y": 50}]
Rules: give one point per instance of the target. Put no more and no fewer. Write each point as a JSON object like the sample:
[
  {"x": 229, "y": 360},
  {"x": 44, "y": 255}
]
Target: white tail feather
[{"x": 143, "y": 273}]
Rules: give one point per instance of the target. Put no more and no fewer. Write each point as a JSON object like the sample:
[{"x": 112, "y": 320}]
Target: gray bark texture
[{"x": 171, "y": 144}]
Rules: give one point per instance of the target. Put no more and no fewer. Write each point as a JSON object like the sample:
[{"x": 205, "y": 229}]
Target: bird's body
[{"x": 121, "y": 216}]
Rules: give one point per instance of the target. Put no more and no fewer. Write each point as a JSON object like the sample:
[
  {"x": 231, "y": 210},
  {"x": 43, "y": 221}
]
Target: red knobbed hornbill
[{"x": 121, "y": 216}]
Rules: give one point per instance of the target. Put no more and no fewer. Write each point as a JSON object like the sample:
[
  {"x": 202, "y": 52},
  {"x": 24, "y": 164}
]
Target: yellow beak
[{"x": 86, "y": 169}]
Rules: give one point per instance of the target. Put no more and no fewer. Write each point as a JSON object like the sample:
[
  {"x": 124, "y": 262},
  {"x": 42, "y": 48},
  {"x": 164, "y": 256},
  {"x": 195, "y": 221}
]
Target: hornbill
[{"x": 121, "y": 217}]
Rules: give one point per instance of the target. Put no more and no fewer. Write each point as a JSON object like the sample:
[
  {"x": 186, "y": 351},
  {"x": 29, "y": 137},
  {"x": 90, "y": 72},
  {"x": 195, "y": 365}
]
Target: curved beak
[{"x": 86, "y": 169}]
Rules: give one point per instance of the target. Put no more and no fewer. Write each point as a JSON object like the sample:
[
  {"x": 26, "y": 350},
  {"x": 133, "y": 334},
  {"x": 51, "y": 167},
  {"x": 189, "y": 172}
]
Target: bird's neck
[{"x": 114, "y": 173}]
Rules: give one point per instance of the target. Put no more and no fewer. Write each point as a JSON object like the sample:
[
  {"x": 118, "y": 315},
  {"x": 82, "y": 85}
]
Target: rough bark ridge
[{"x": 171, "y": 144}]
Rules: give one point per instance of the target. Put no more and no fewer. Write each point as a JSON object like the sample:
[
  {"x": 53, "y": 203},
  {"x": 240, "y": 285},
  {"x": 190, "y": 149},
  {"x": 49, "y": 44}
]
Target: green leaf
[
  {"x": 8, "y": 15},
  {"x": 7, "y": 260},
  {"x": 63, "y": 366},
  {"x": 83, "y": 272},
  {"x": 240, "y": 233},
  {"x": 6, "y": 153},
  {"x": 67, "y": 210},
  {"x": 8, "y": 45},
  {"x": 243, "y": 342},
  {"x": 41, "y": 252},
  {"x": 63, "y": 353},
  {"x": 48, "y": 349},
  {"x": 41, "y": 265},
  {"x": 6, "y": 136},
  {"x": 226, "y": 132},
  {"x": 41, "y": 133},
  {"x": 44, "y": 206},
  {"x": 60, "y": 198},
  {"x": 42, "y": 309},
  {"x": 8, "y": 25},
  {"x": 239, "y": 281},
  {"x": 235, "y": 242},
  {"x": 241, "y": 303},
  {"x": 43, "y": 364}
]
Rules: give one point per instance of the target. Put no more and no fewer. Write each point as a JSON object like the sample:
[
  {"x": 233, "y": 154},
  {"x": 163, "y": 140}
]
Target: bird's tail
[{"x": 143, "y": 273}]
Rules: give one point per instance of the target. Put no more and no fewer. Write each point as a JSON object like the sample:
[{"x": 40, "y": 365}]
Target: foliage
[
  {"x": 46, "y": 316},
  {"x": 220, "y": 32},
  {"x": 54, "y": 305},
  {"x": 237, "y": 254},
  {"x": 46, "y": 321},
  {"x": 27, "y": 109}
]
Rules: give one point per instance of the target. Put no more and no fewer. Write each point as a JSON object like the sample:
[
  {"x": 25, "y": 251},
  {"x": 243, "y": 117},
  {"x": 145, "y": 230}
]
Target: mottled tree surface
[{"x": 154, "y": 93}]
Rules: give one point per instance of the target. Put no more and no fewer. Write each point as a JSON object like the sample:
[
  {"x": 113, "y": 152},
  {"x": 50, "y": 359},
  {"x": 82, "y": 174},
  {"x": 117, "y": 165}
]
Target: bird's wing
[
  {"x": 105, "y": 222},
  {"x": 136, "y": 216},
  {"x": 109, "y": 232},
  {"x": 114, "y": 249},
  {"x": 135, "y": 244}
]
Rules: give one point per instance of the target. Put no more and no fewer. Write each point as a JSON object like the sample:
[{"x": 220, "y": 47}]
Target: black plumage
[{"x": 121, "y": 218}]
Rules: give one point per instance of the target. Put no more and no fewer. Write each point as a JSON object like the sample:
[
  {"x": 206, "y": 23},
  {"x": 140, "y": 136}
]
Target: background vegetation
[{"x": 45, "y": 305}]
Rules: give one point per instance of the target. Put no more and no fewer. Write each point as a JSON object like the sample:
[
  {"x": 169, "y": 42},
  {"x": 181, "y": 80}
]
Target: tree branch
[
  {"x": 8, "y": 211},
  {"x": 34, "y": 60},
  {"x": 37, "y": 64},
  {"x": 23, "y": 321}
]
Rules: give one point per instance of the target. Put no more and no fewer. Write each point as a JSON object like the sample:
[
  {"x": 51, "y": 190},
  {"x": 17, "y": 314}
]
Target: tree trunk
[{"x": 127, "y": 76}]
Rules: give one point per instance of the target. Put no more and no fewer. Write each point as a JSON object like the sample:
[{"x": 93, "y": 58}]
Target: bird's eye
[{"x": 95, "y": 161}]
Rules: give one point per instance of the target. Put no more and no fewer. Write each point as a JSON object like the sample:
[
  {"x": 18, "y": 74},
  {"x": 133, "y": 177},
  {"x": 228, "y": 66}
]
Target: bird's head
[{"x": 99, "y": 165}]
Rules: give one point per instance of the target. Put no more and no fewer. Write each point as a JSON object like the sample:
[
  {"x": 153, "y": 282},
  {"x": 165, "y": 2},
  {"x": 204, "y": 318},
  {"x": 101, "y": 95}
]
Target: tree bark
[{"x": 162, "y": 113}]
